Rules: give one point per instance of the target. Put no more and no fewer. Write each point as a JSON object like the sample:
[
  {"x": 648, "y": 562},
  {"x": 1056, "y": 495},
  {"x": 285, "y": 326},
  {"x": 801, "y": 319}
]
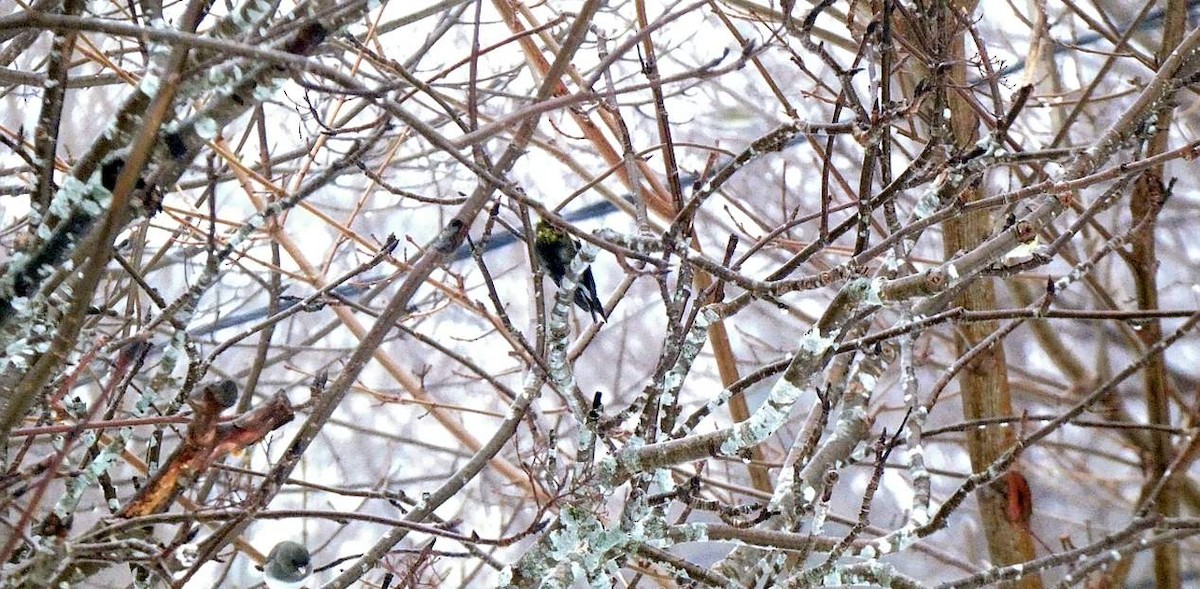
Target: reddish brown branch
[{"x": 208, "y": 440}]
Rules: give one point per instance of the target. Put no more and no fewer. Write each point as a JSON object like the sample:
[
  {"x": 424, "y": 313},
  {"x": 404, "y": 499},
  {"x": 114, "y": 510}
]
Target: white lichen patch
[
  {"x": 814, "y": 343},
  {"x": 692, "y": 532},
  {"x": 206, "y": 128},
  {"x": 264, "y": 92},
  {"x": 920, "y": 516},
  {"x": 1022, "y": 250},
  {"x": 874, "y": 292},
  {"x": 927, "y": 205},
  {"x": 149, "y": 85}
]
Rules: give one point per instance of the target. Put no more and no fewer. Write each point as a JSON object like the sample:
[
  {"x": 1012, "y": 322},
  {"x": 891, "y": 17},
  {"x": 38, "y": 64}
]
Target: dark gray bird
[
  {"x": 555, "y": 250},
  {"x": 288, "y": 566}
]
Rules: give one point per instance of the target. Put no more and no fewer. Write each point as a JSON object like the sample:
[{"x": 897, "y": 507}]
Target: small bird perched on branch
[
  {"x": 288, "y": 566},
  {"x": 555, "y": 250}
]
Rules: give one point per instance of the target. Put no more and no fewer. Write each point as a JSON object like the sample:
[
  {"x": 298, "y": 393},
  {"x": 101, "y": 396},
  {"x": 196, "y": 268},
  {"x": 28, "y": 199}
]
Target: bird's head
[{"x": 549, "y": 234}]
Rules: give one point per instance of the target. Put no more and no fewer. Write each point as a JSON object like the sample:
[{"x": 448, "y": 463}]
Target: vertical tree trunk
[
  {"x": 1147, "y": 198},
  {"x": 984, "y": 385}
]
